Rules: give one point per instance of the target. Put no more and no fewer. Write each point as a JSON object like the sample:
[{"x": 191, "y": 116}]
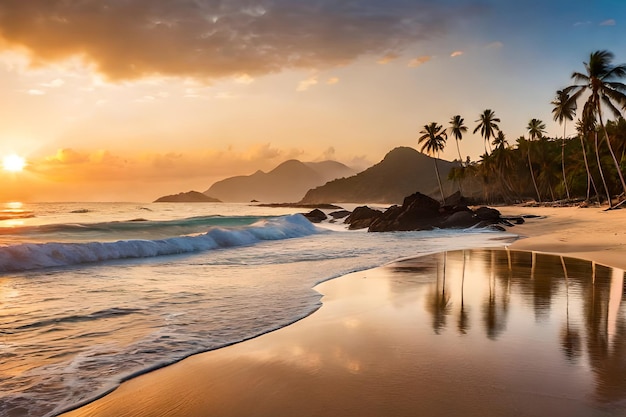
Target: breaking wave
[{"x": 222, "y": 232}]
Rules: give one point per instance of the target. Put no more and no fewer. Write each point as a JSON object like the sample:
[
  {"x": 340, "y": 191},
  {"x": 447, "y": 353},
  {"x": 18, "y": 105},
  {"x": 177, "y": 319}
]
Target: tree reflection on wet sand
[{"x": 575, "y": 305}]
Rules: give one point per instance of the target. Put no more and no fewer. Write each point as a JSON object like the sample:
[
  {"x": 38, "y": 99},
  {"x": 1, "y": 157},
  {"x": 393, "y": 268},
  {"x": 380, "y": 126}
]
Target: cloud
[
  {"x": 262, "y": 151},
  {"x": 332, "y": 80},
  {"x": 304, "y": 85},
  {"x": 35, "y": 92},
  {"x": 420, "y": 60},
  {"x": 360, "y": 163},
  {"x": 494, "y": 45},
  {"x": 131, "y": 39},
  {"x": 456, "y": 53},
  {"x": 56, "y": 83},
  {"x": 244, "y": 79},
  {"x": 608, "y": 22},
  {"x": 68, "y": 156},
  {"x": 329, "y": 153},
  {"x": 386, "y": 59},
  {"x": 79, "y": 165},
  {"x": 586, "y": 23}
]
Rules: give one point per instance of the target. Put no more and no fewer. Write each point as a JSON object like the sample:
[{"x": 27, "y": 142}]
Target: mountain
[
  {"x": 402, "y": 172},
  {"x": 188, "y": 197},
  {"x": 288, "y": 182}
]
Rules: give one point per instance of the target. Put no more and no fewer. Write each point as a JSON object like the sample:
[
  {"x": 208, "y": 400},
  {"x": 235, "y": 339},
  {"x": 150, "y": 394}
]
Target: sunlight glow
[{"x": 13, "y": 163}]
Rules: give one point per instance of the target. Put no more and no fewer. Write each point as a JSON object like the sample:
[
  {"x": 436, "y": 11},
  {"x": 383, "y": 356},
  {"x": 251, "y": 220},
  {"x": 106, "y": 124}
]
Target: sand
[
  {"x": 586, "y": 233},
  {"x": 311, "y": 368}
]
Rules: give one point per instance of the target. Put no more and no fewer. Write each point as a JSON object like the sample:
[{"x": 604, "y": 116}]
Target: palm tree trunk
[
  {"x": 439, "y": 181},
  {"x": 608, "y": 142},
  {"x": 590, "y": 180},
  {"x": 563, "y": 159},
  {"x": 461, "y": 162},
  {"x": 551, "y": 191},
  {"x": 532, "y": 175},
  {"x": 608, "y": 195}
]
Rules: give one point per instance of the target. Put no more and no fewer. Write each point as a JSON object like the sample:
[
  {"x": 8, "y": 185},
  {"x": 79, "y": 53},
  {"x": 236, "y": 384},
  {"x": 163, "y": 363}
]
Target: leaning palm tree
[
  {"x": 584, "y": 128},
  {"x": 563, "y": 110},
  {"x": 536, "y": 128},
  {"x": 434, "y": 140},
  {"x": 487, "y": 124},
  {"x": 589, "y": 117},
  {"x": 602, "y": 80}
]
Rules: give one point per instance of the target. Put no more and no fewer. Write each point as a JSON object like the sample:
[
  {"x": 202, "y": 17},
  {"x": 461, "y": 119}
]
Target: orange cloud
[
  {"x": 420, "y": 60},
  {"x": 456, "y": 53},
  {"x": 386, "y": 59},
  {"x": 304, "y": 85},
  {"x": 67, "y": 156},
  {"x": 70, "y": 165},
  {"x": 140, "y": 38}
]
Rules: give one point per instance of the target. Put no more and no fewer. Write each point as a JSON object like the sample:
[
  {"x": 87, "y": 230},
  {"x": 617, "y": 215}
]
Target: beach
[
  {"x": 587, "y": 233},
  {"x": 362, "y": 352}
]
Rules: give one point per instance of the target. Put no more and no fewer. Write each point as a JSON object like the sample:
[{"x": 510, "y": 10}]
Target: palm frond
[
  {"x": 618, "y": 71},
  {"x": 608, "y": 103},
  {"x": 580, "y": 77},
  {"x": 616, "y": 86}
]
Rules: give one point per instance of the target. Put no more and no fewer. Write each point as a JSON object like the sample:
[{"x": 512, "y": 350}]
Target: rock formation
[{"x": 188, "y": 197}]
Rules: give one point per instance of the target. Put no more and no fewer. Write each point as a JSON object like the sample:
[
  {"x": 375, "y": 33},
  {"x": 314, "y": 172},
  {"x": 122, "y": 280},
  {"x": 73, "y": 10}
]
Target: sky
[{"x": 129, "y": 100}]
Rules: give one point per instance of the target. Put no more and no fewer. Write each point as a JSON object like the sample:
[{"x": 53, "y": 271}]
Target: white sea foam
[{"x": 27, "y": 256}]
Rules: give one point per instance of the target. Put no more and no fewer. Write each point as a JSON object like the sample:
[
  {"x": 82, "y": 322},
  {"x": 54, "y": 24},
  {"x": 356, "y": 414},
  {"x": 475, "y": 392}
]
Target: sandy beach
[
  {"x": 586, "y": 233},
  {"x": 361, "y": 353}
]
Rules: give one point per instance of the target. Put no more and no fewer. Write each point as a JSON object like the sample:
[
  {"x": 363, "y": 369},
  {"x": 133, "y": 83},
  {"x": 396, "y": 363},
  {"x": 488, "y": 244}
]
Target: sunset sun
[{"x": 13, "y": 163}]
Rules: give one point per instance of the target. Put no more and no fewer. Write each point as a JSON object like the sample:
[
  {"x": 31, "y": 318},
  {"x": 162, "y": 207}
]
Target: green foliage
[{"x": 506, "y": 178}]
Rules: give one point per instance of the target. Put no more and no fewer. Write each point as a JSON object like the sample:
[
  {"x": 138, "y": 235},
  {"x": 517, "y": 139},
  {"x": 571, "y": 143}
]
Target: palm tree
[
  {"x": 434, "y": 140},
  {"x": 487, "y": 125},
  {"x": 563, "y": 110},
  {"x": 602, "y": 80},
  {"x": 589, "y": 118},
  {"x": 500, "y": 141},
  {"x": 536, "y": 128},
  {"x": 503, "y": 163},
  {"x": 585, "y": 127},
  {"x": 456, "y": 129}
]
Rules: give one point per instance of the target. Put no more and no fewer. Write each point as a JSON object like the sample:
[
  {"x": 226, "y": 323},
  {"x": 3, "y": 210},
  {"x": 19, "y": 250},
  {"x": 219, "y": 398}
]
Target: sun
[{"x": 13, "y": 163}]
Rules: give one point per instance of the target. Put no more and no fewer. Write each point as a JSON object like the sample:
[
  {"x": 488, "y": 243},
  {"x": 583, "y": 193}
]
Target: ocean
[{"x": 92, "y": 294}]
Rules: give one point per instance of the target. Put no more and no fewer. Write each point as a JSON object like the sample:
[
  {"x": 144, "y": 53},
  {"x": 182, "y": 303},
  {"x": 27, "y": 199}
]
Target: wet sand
[{"x": 416, "y": 338}]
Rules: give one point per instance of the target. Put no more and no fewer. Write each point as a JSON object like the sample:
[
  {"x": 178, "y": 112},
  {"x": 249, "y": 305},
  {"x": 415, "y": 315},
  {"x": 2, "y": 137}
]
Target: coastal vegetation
[{"x": 595, "y": 153}]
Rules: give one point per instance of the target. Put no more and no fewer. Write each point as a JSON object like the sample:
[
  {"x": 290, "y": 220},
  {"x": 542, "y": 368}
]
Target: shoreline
[{"x": 586, "y": 233}]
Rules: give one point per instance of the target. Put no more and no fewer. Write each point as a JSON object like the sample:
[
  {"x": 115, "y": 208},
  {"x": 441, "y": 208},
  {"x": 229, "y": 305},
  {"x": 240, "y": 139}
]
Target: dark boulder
[
  {"x": 362, "y": 217},
  {"x": 339, "y": 214},
  {"x": 516, "y": 220},
  {"x": 487, "y": 213},
  {"x": 460, "y": 220},
  {"x": 316, "y": 216},
  {"x": 419, "y": 200},
  {"x": 457, "y": 199},
  {"x": 418, "y": 212}
]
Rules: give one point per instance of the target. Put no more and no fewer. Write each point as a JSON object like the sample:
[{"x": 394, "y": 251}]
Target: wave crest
[{"x": 28, "y": 256}]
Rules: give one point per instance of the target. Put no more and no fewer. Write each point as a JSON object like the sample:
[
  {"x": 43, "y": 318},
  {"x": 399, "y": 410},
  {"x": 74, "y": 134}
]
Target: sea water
[{"x": 94, "y": 294}]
